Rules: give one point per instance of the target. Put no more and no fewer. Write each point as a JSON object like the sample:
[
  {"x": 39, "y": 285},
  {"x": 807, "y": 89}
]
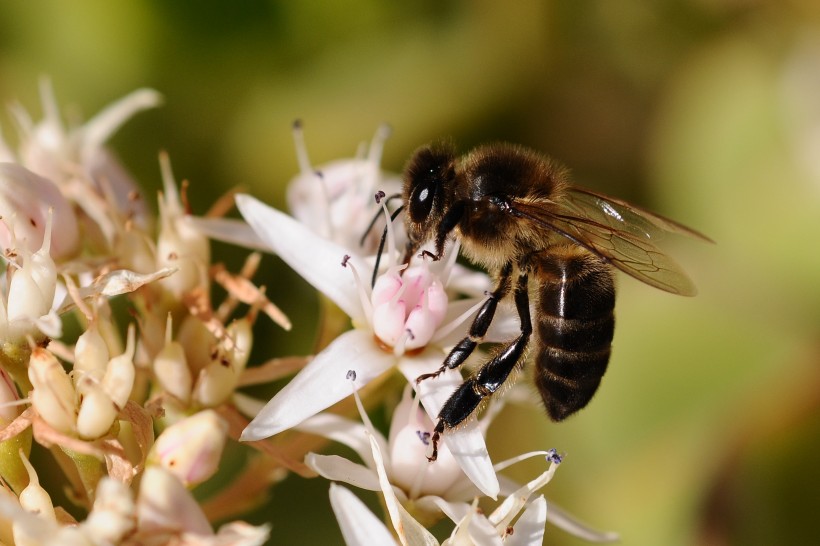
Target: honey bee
[{"x": 542, "y": 238}]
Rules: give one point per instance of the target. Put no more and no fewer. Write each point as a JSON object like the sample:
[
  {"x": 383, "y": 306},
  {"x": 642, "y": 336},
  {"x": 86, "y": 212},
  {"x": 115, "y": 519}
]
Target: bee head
[{"x": 428, "y": 180}]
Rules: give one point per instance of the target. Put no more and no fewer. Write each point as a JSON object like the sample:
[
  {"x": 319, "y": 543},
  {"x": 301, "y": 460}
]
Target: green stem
[
  {"x": 14, "y": 359},
  {"x": 11, "y": 467},
  {"x": 90, "y": 469}
]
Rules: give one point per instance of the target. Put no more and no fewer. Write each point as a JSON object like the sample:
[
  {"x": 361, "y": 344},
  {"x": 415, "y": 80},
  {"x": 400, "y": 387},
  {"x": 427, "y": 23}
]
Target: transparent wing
[
  {"x": 614, "y": 241},
  {"x": 623, "y": 216}
]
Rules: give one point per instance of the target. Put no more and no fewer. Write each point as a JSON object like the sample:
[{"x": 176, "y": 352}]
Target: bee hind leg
[{"x": 490, "y": 377}]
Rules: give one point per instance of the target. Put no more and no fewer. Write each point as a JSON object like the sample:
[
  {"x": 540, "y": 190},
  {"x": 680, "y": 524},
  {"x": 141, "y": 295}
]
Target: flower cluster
[
  {"x": 76, "y": 232},
  {"x": 136, "y": 409}
]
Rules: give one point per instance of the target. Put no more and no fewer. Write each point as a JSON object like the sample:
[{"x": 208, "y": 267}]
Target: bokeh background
[{"x": 706, "y": 429}]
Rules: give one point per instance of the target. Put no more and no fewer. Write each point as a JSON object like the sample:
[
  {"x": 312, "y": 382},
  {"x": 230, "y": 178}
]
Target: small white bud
[
  {"x": 30, "y": 290},
  {"x": 215, "y": 384},
  {"x": 240, "y": 333},
  {"x": 217, "y": 381},
  {"x": 53, "y": 395},
  {"x": 97, "y": 412},
  {"x": 171, "y": 368},
  {"x": 179, "y": 244},
  {"x": 90, "y": 354},
  {"x": 197, "y": 341},
  {"x": 33, "y": 497},
  {"x": 118, "y": 381}
]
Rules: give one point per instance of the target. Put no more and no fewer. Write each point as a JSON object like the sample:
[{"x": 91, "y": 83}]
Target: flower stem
[{"x": 91, "y": 470}]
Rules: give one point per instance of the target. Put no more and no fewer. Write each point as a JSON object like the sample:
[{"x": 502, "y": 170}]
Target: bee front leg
[
  {"x": 478, "y": 329},
  {"x": 492, "y": 375}
]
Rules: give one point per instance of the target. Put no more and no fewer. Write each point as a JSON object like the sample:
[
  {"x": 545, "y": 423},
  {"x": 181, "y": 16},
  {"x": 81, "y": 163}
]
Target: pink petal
[{"x": 322, "y": 383}]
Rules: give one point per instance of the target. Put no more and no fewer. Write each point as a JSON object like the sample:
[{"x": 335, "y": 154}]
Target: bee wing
[
  {"x": 619, "y": 246},
  {"x": 619, "y": 214}
]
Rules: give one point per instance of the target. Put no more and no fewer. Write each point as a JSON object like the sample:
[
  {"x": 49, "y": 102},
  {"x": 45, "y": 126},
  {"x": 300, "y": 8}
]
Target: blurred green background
[{"x": 706, "y": 429}]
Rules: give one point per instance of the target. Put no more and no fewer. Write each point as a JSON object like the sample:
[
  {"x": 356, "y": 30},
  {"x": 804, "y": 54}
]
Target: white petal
[
  {"x": 471, "y": 527},
  {"x": 229, "y": 230},
  {"x": 345, "y": 431},
  {"x": 359, "y": 525},
  {"x": 322, "y": 383},
  {"x": 340, "y": 469},
  {"x": 466, "y": 442},
  {"x": 317, "y": 260},
  {"x": 529, "y": 529},
  {"x": 409, "y": 530},
  {"x": 104, "y": 124}
]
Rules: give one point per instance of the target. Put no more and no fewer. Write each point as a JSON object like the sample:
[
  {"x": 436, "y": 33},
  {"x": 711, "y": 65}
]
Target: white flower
[
  {"x": 323, "y": 381},
  {"x": 76, "y": 160},
  {"x": 414, "y": 481},
  {"x": 472, "y": 526},
  {"x": 336, "y": 199}
]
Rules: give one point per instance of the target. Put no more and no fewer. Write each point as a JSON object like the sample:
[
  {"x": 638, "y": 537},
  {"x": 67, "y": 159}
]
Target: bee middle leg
[
  {"x": 491, "y": 376},
  {"x": 478, "y": 329}
]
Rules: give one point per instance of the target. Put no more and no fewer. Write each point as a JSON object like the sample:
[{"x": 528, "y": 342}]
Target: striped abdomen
[{"x": 575, "y": 323}]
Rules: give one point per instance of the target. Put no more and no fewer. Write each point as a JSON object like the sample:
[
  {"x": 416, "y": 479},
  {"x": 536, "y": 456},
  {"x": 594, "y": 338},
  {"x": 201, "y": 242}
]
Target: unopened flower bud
[
  {"x": 164, "y": 503},
  {"x": 34, "y": 498},
  {"x": 30, "y": 290},
  {"x": 118, "y": 381},
  {"x": 171, "y": 368},
  {"x": 179, "y": 243},
  {"x": 90, "y": 354},
  {"x": 112, "y": 516},
  {"x": 197, "y": 341},
  {"x": 53, "y": 395},
  {"x": 191, "y": 448},
  {"x": 217, "y": 381},
  {"x": 214, "y": 384},
  {"x": 97, "y": 412},
  {"x": 135, "y": 251}
]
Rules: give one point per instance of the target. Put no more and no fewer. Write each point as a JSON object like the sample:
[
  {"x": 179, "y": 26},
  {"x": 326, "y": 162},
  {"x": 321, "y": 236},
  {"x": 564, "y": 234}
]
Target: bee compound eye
[{"x": 421, "y": 201}]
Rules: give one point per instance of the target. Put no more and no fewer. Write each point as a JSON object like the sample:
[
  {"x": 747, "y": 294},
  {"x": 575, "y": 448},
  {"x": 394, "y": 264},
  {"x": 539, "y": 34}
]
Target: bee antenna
[
  {"x": 381, "y": 244},
  {"x": 379, "y": 196}
]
